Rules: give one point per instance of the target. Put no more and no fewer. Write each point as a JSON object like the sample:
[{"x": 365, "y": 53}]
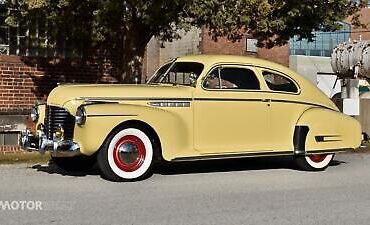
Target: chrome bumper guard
[
  {"x": 41, "y": 143},
  {"x": 365, "y": 140}
]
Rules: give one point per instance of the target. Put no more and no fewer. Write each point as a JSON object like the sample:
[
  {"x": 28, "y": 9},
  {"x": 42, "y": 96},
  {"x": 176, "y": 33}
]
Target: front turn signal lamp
[{"x": 59, "y": 133}]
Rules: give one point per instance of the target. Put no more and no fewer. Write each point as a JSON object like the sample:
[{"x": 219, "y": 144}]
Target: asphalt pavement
[{"x": 243, "y": 191}]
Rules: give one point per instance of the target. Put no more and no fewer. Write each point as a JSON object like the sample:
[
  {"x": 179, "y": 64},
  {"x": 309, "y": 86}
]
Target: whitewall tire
[
  {"x": 126, "y": 156},
  {"x": 316, "y": 162}
]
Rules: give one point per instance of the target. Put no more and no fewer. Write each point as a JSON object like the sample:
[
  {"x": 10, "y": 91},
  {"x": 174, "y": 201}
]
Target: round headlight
[
  {"x": 34, "y": 114},
  {"x": 80, "y": 116}
]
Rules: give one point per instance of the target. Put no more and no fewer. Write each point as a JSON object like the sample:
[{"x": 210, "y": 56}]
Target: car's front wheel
[
  {"x": 317, "y": 162},
  {"x": 127, "y": 155}
]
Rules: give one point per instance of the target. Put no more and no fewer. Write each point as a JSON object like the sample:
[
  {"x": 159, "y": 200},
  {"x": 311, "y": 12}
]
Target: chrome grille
[{"x": 56, "y": 116}]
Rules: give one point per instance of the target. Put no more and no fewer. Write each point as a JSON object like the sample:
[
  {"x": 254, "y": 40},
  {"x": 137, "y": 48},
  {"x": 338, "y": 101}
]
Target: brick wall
[
  {"x": 222, "y": 46},
  {"x": 9, "y": 149},
  {"x": 276, "y": 54},
  {"x": 361, "y": 33},
  {"x": 23, "y": 81},
  {"x": 16, "y": 86}
]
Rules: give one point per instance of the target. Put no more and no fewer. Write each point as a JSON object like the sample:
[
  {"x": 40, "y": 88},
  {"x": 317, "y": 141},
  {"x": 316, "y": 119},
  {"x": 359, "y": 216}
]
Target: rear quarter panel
[{"x": 329, "y": 129}]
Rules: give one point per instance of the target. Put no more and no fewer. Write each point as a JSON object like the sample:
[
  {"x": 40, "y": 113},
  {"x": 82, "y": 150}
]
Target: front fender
[
  {"x": 330, "y": 130},
  {"x": 172, "y": 126}
]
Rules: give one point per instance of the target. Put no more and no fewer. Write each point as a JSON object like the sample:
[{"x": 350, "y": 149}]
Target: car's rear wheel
[
  {"x": 127, "y": 155},
  {"x": 74, "y": 164},
  {"x": 316, "y": 162}
]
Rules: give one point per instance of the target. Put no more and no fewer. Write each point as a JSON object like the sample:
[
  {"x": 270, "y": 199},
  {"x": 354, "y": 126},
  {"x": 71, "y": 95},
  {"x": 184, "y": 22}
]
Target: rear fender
[{"x": 329, "y": 130}]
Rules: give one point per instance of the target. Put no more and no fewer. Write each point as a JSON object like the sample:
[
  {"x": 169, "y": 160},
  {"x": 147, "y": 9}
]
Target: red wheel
[
  {"x": 314, "y": 162},
  {"x": 129, "y": 153},
  {"x": 317, "y": 158}
]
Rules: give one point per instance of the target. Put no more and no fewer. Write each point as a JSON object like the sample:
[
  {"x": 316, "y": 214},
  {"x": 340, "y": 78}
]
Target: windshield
[{"x": 182, "y": 73}]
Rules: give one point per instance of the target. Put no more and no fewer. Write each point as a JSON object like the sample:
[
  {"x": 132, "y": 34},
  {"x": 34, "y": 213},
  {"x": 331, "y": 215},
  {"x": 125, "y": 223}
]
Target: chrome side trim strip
[
  {"x": 327, "y": 138},
  {"x": 261, "y": 100},
  {"x": 195, "y": 99},
  {"x": 131, "y": 99},
  {"x": 230, "y": 99},
  {"x": 226, "y": 156},
  {"x": 103, "y": 115},
  {"x": 310, "y": 152},
  {"x": 169, "y": 104}
]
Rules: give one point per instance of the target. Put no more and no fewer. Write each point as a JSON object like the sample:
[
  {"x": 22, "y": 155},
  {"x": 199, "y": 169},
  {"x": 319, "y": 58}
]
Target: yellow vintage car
[{"x": 193, "y": 108}]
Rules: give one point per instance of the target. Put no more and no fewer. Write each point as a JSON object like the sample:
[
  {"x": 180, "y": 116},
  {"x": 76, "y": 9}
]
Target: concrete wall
[
  {"x": 187, "y": 45},
  {"x": 151, "y": 59},
  {"x": 310, "y": 66},
  {"x": 364, "y": 117},
  {"x": 158, "y": 53}
]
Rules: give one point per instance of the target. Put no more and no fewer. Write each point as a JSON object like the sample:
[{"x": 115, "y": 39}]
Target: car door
[
  {"x": 231, "y": 112},
  {"x": 285, "y": 108}
]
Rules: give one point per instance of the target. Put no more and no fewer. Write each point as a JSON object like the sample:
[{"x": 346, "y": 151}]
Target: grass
[{"x": 23, "y": 157}]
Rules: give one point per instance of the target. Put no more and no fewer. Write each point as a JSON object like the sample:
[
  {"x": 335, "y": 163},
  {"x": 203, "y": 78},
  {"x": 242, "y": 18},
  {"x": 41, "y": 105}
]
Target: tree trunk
[
  {"x": 134, "y": 69},
  {"x": 132, "y": 56}
]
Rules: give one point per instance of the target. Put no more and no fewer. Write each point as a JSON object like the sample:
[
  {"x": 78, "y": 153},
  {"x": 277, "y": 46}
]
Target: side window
[
  {"x": 278, "y": 82},
  {"x": 232, "y": 78},
  {"x": 183, "y": 72}
]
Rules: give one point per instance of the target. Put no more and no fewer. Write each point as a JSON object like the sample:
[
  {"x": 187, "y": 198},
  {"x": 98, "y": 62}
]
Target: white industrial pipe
[{"x": 351, "y": 60}]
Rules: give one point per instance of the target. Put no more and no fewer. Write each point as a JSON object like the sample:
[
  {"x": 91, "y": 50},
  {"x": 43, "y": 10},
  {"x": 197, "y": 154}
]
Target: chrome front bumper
[{"x": 41, "y": 143}]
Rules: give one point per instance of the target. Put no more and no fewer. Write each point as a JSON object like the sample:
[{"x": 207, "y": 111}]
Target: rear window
[{"x": 277, "y": 82}]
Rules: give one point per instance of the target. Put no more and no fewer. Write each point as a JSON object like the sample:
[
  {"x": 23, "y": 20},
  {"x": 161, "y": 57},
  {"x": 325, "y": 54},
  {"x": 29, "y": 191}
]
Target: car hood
[{"x": 66, "y": 93}]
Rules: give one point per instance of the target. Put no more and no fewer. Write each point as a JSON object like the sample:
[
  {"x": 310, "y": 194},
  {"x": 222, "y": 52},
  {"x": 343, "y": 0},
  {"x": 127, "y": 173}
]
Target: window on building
[
  {"x": 278, "y": 82},
  {"x": 4, "y": 30},
  {"x": 251, "y": 45},
  {"x": 25, "y": 40},
  {"x": 323, "y": 43},
  {"x": 9, "y": 138},
  {"x": 232, "y": 78}
]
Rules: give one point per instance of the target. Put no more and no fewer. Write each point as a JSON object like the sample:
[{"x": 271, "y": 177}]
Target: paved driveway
[{"x": 248, "y": 191}]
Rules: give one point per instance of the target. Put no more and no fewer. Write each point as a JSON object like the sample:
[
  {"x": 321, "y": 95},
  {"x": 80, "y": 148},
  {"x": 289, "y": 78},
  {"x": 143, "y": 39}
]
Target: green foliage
[
  {"x": 272, "y": 22},
  {"x": 122, "y": 28}
]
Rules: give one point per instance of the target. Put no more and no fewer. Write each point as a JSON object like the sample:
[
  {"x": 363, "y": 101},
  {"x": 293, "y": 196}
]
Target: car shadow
[
  {"x": 229, "y": 165},
  {"x": 194, "y": 167},
  {"x": 52, "y": 168}
]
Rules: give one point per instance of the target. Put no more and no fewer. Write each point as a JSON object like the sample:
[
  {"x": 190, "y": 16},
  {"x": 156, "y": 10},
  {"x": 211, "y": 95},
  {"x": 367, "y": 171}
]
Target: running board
[{"x": 256, "y": 154}]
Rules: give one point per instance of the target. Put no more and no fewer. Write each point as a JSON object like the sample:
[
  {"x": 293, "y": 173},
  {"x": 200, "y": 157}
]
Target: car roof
[
  {"x": 214, "y": 59},
  {"x": 209, "y": 60}
]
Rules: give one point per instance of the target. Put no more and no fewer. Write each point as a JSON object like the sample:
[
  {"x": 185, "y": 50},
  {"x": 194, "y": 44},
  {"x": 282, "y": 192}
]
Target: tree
[{"x": 121, "y": 29}]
